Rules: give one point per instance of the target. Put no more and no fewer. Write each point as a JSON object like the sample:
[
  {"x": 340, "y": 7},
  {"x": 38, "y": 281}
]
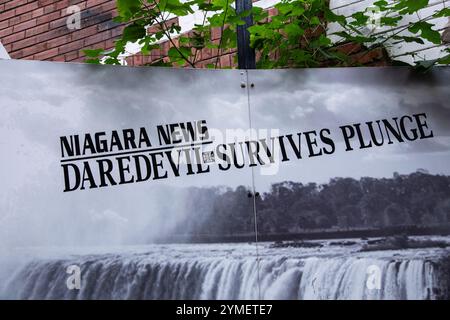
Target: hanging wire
[{"x": 255, "y": 215}]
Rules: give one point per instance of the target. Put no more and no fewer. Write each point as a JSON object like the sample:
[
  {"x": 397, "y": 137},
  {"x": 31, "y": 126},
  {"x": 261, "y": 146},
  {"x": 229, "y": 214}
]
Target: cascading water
[{"x": 224, "y": 275}]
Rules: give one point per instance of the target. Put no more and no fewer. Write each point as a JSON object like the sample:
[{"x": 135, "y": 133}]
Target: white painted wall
[
  {"x": 398, "y": 51},
  {"x": 3, "y": 53}
]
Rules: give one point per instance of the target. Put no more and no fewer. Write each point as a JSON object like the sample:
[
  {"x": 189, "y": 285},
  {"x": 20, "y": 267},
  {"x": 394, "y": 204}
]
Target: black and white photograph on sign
[
  {"x": 107, "y": 197},
  {"x": 154, "y": 183},
  {"x": 356, "y": 205}
]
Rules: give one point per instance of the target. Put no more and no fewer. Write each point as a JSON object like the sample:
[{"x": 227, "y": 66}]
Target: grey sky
[{"x": 310, "y": 99}]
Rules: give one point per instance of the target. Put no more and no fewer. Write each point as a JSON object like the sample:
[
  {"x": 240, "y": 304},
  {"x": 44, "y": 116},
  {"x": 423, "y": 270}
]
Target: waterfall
[{"x": 139, "y": 277}]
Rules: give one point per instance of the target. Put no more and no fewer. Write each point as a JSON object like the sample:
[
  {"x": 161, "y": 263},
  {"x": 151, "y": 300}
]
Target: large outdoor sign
[{"x": 155, "y": 183}]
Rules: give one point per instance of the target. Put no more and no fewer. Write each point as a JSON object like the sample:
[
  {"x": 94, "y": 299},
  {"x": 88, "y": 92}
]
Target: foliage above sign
[{"x": 296, "y": 36}]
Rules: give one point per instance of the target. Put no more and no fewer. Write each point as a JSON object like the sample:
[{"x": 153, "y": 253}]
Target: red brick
[
  {"x": 84, "y": 32},
  {"x": 47, "y": 17},
  {"x": 18, "y": 19},
  {"x": 58, "y": 23},
  {"x": 14, "y": 4},
  {"x": 109, "y": 44},
  {"x": 13, "y": 38},
  {"x": 97, "y": 38},
  {"x": 62, "y": 4},
  {"x": 6, "y": 15},
  {"x": 71, "y": 46},
  {"x": 50, "y": 8},
  {"x": 137, "y": 60},
  {"x": 98, "y": 45},
  {"x": 37, "y": 13},
  {"x": 29, "y": 51},
  {"x": 5, "y": 32},
  {"x": 71, "y": 55},
  {"x": 51, "y": 34},
  {"x": 4, "y": 24},
  {"x": 58, "y": 41},
  {"x": 348, "y": 48},
  {"x": 206, "y": 53},
  {"x": 8, "y": 47},
  {"x": 28, "y": 7},
  {"x": 214, "y": 52},
  {"x": 49, "y": 38},
  {"x": 23, "y": 43},
  {"x": 216, "y": 33},
  {"x": 80, "y": 3},
  {"x": 91, "y": 3},
  {"x": 59, "y": 58},
  {"x": 79, "y": 60},
  {"x": 85, "y": 22},
  {"x": 225, "y": 61},
  {"x": 370, "y": 56},
  {"x": 45, "y": 2},
  {"x": 44, "y": 55},
  {"x": 36, "y": 30},
  {"x": 25, "y": 25},
  {"x": 117, "y": 31}
]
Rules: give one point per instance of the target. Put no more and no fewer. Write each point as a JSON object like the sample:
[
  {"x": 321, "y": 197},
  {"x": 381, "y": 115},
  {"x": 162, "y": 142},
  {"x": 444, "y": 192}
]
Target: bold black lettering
[
  {"x": 76, "y": 171},
  {"x": 124, "y": 169},
  {"x": 327, "y": 140},
  {"x": 87, "y": 176},
  {"x": 422, "y": 125},
  {"x": 105, "y": 173},
  {"x": 157, "y": 165},
  {"x": 348, "y": 133},
  {"x": 312, "y": 142}
]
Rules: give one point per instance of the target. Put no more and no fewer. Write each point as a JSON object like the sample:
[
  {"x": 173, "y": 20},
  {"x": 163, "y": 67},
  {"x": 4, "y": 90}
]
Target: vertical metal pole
[{"x": 246, "y": 55}]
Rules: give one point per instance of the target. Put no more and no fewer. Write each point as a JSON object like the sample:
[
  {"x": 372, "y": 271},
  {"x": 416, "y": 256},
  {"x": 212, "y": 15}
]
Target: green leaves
[
  {"x": 293, "y": 30},
  {"x": 229, "y": 39},
  {"x": 322, "y": 42},
  {"x": 410, "y": 6},
  {"x": 175, "y": 7},
  {"x": 92, "y": 53},
  {"x": 442, "y": 13},
  {"x": 147, "y": 45},
  {"x": 314, "y": 21},
  {"x": 179, "y": 55},
  {"x": 221, "y": 3},
  {"x": 359, "y": 18},
  {"x": 133, "y": 32},
  {"x": 330, "y": 16},
  {"x": 390, "y": 21},
  {"x": 444, "y": 60},
  {"x": 128, "y": 8},
  {"x": 382, "y": 5},
  {"x": 409, "y": 39},
  {"x": 294, "y": 36},
  {"x": 426, "y": 31}
]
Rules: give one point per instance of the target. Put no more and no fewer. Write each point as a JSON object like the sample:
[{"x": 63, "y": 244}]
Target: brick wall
[
  {"x": 37, "y": 30},
  {"x": 204, "y": 56}
]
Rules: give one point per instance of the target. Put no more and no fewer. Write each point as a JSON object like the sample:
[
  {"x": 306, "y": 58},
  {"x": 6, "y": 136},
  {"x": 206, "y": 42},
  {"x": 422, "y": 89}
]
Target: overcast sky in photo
[{"x": 311, "y": 99}]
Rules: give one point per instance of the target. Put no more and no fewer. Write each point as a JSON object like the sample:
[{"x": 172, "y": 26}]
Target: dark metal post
[{"x": 246, "y": 55}]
